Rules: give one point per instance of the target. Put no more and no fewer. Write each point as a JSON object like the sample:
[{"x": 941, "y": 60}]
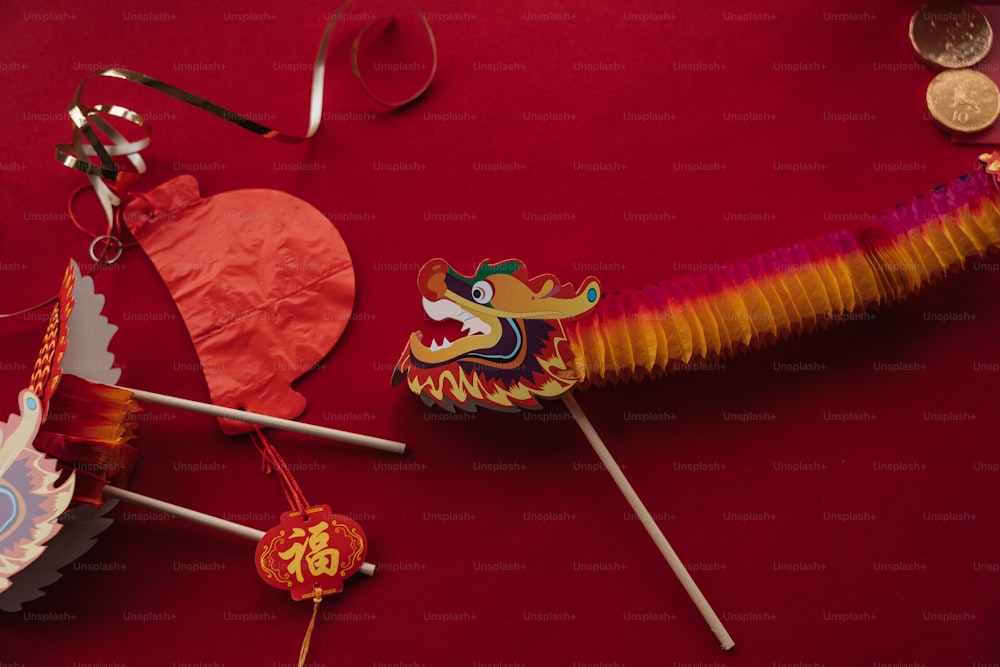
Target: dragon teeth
[{"x": 435, "y": 346}]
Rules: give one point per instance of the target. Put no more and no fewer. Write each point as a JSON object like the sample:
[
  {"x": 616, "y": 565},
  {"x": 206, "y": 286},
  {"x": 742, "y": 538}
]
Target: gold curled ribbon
[{"x": 88, "y": 123}]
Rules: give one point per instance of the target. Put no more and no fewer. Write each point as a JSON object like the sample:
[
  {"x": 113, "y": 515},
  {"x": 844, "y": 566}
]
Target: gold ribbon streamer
[{"x": 87, "y": 121}]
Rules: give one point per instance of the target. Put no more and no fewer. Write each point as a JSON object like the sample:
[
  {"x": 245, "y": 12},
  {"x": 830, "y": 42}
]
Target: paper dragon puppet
[{"x": 524, "y": 338}]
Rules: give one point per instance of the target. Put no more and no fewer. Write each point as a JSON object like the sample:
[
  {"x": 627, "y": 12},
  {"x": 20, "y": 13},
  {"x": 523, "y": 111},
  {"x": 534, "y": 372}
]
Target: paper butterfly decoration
[{"x": 523, "y": 339}]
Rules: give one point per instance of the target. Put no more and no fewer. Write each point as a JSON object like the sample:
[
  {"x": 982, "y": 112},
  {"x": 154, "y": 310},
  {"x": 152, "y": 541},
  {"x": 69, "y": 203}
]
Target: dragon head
[{"x": 501, "y": 341}]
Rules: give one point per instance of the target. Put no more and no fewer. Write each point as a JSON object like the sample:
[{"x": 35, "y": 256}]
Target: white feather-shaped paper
[{"x": 88, "y": 335}]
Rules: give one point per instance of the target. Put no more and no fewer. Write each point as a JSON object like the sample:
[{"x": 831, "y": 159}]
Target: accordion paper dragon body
[{"x": 525, "y": 338}]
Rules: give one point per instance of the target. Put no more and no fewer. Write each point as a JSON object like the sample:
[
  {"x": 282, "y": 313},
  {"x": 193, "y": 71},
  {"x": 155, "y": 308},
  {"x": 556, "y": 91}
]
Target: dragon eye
[{"x": 482, "y": 292}]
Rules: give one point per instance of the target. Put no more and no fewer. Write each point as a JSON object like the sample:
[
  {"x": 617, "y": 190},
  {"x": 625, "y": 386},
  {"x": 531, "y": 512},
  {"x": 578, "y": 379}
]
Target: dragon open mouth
[
  {"x": 457, "y": 333},
  {"x": 445, "y": 310}
]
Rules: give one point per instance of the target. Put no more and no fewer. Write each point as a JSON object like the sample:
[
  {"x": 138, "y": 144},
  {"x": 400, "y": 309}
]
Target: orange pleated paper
[{"x": 660, "y": 328}]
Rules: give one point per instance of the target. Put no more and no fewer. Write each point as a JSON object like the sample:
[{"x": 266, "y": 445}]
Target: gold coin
[
  {"x": 950, "y": 35},
  {"x": 963, "y": 100}
]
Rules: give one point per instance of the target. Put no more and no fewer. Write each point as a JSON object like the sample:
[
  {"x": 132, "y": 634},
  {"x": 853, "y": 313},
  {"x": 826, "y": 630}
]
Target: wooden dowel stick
[
  {"x": 265, "y": 420},
  {"x": 648, "y": 523},
  {"x": 201, "y": 518}
]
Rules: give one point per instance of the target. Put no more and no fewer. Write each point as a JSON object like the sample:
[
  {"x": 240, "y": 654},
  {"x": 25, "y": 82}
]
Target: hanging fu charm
[{"x": 310, "y": 552}]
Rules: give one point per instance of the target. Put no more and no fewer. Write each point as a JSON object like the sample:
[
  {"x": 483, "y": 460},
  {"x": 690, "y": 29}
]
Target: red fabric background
[{"x": 817, "y": 530}]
